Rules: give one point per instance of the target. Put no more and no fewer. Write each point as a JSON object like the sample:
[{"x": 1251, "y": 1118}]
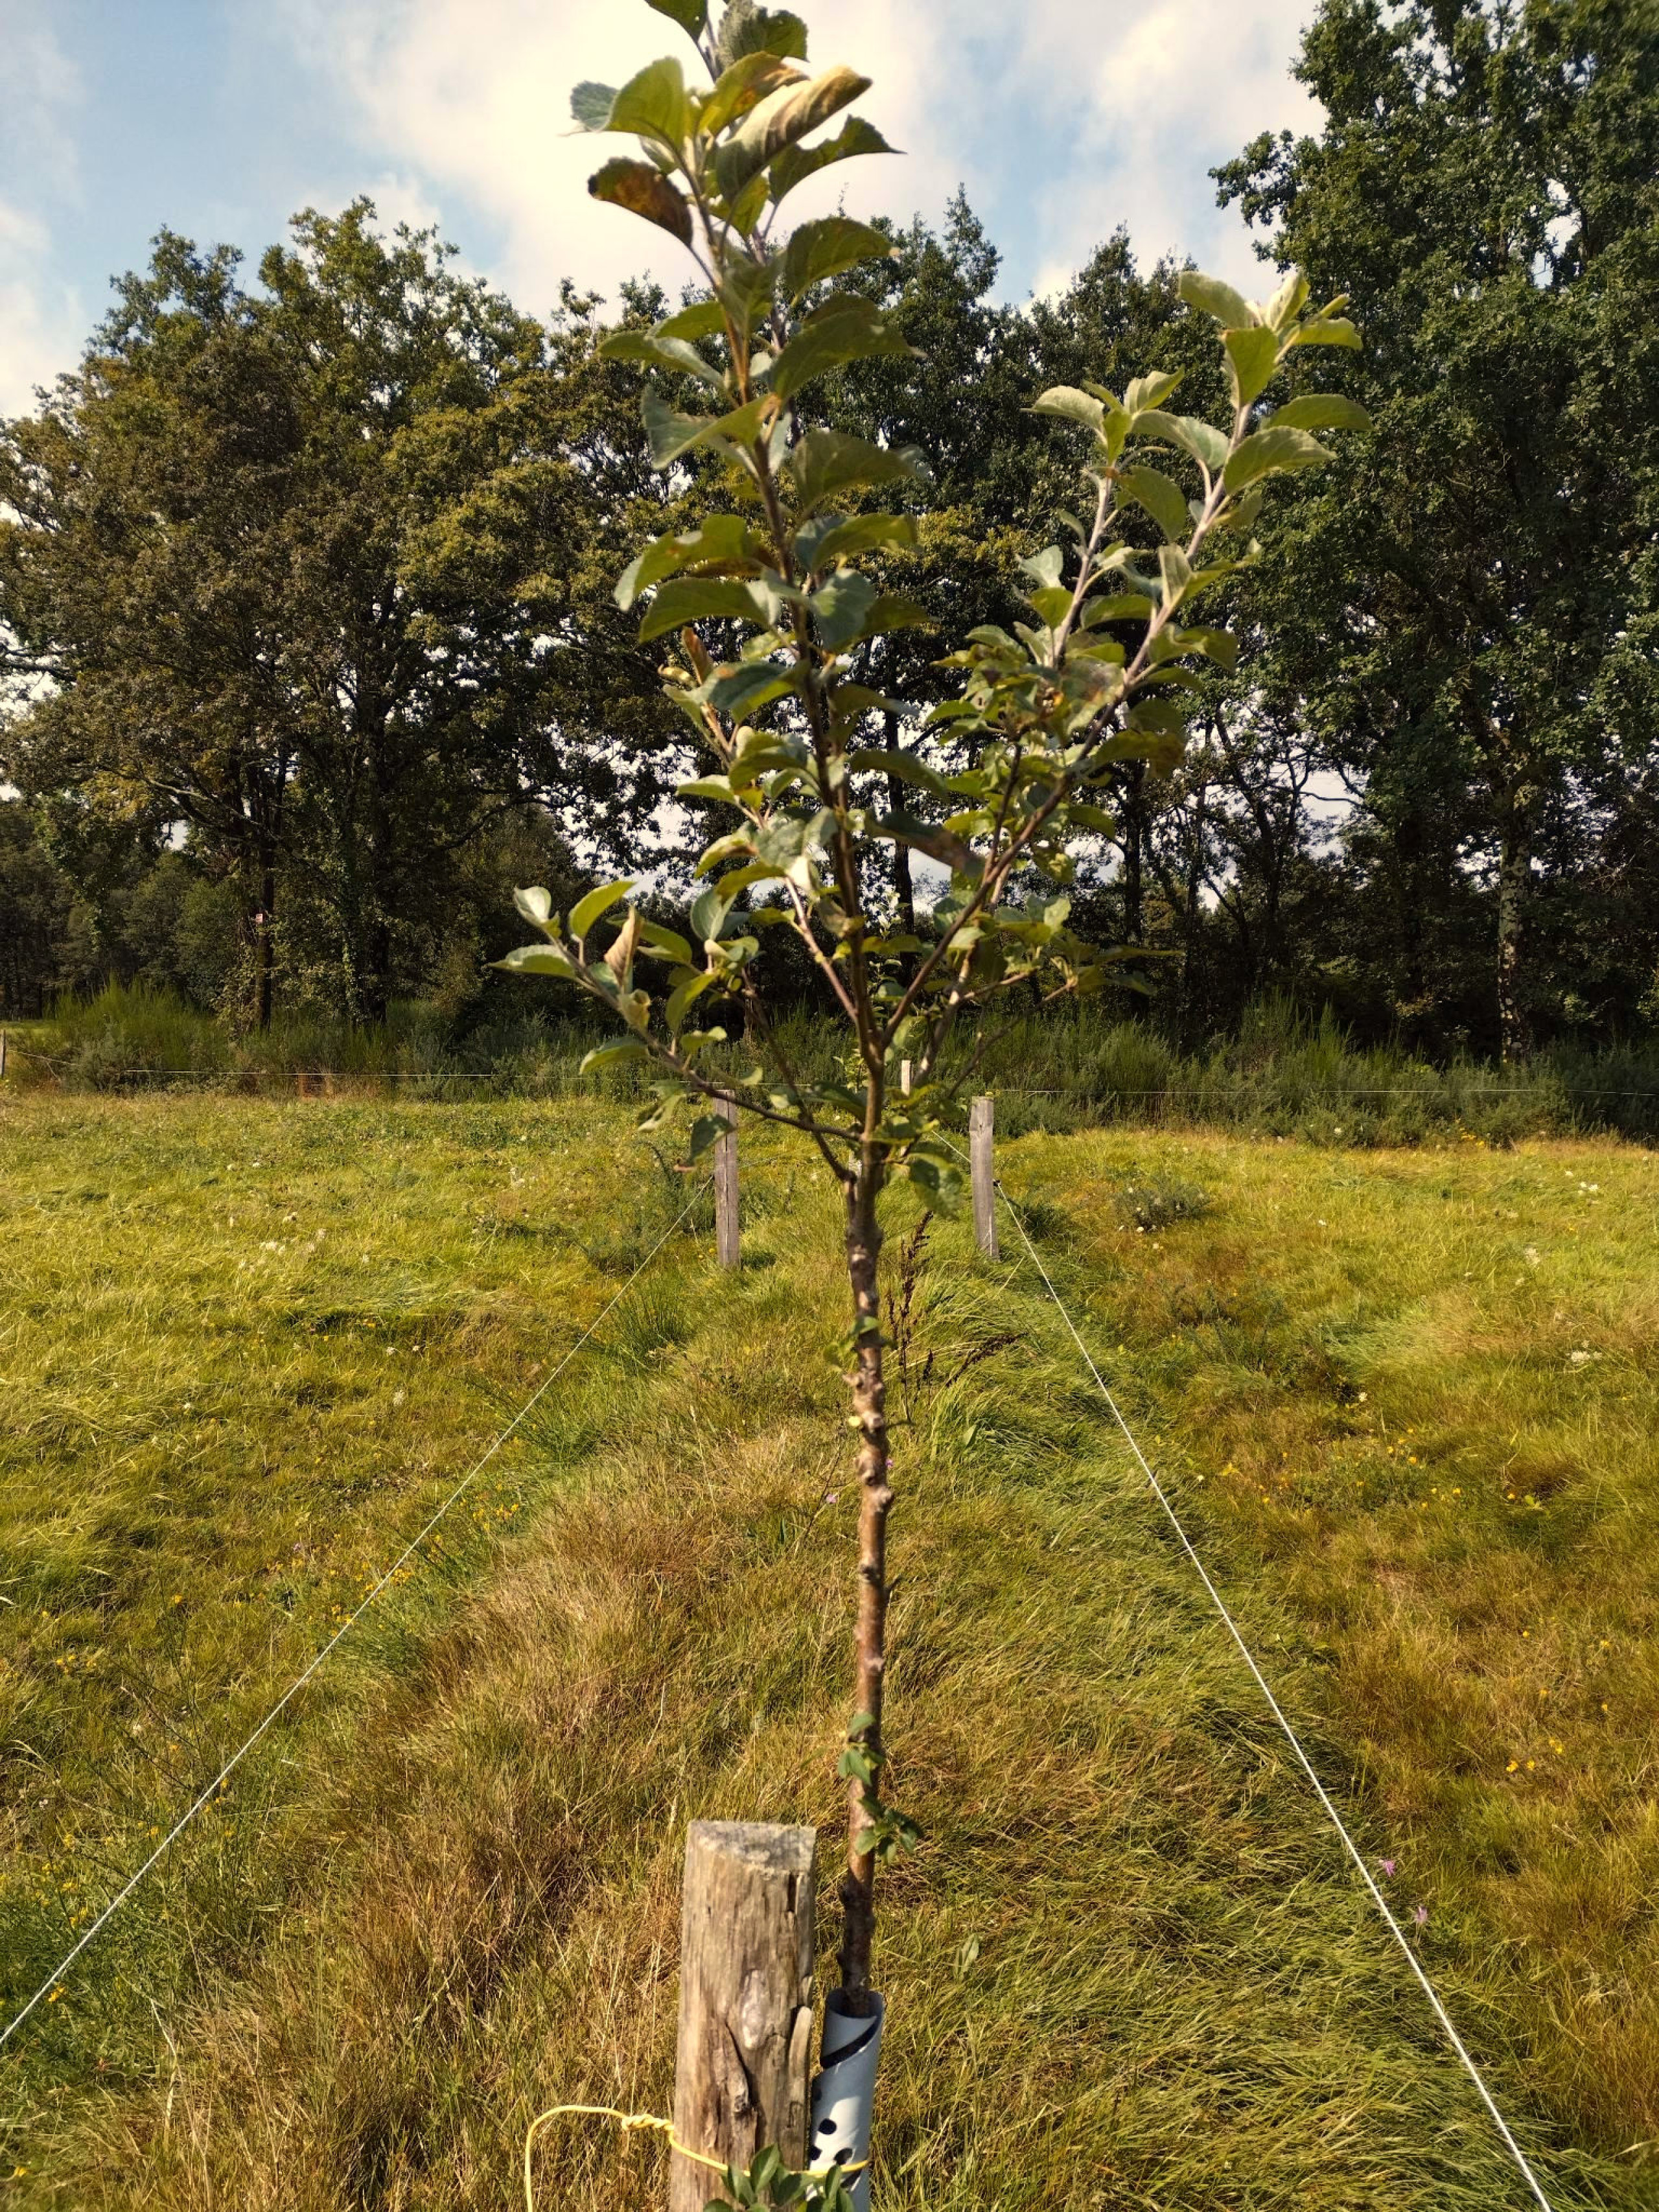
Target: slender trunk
[
  {"x": 1514, "y": 878},
  {"x": 857, "y": 1890}
]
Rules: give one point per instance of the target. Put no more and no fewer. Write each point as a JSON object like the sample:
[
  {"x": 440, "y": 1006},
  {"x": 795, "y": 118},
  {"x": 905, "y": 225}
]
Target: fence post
[
  {"x": 728, "y": 1245},
  {"x": 981, "y": 1119},
  {"x": 2, "y": 1054},
  {"x": 905, "y": 1077},
  {"x": 746, "y": 2030}
]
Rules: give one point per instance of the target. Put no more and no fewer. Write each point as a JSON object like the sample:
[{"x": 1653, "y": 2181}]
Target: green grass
[{"x": 1130, "y": 1967}]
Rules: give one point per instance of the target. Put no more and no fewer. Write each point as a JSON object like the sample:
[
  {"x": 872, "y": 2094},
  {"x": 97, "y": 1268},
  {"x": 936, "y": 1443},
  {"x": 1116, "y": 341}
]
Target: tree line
[{"x": 310, "y": 645}]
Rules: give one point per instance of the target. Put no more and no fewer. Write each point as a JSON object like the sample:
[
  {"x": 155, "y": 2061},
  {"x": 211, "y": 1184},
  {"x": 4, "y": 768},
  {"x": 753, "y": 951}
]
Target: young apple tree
[{"x": 766, "y": 602}]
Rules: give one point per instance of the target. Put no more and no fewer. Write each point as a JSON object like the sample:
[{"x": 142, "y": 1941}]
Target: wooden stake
[
  {"x": 3, "y": 1052},
  {"x": 745, "y": 2033},
  {"x": 905, "y": 1077},
  {"x": 981, "y": 1119},
  {"x": 728, "y": 1245}
]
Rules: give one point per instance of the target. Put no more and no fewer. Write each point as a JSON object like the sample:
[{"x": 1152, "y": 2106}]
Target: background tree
[
  {"x": 1465, "y": 617},
  {"x": 309, "y": 582}
]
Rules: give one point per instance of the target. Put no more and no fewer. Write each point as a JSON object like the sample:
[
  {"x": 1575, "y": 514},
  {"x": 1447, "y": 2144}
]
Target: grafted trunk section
[{"x": 857, "y": 1888}]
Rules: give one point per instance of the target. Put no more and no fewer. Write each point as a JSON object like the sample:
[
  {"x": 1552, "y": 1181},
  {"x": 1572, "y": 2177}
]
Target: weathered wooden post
[
  {"x": 2, "y": 1055},
  {"x": 745, "y": 2033},
  {"x": 980, "y": 1121},
  {"x": 728, "y": 1243}
]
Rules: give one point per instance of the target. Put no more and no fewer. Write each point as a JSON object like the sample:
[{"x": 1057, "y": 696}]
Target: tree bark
[{"x": 857, "y": 1888}]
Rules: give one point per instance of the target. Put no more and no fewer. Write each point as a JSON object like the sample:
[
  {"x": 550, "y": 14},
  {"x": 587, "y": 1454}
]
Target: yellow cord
[{"x": 629, "y": 2121}]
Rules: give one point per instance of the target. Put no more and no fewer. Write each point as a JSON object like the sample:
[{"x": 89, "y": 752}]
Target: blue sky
[{"x": 220, "y": 118}]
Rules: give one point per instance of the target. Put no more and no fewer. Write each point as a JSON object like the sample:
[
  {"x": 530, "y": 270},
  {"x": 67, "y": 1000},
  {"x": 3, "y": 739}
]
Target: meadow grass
[{"x": 1402, "y": 1398}]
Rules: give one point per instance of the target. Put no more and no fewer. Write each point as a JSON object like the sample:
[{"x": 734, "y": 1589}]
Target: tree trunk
[
  {"x": 1514, "y": 880},
  {"x": 857, "y": 1889}
]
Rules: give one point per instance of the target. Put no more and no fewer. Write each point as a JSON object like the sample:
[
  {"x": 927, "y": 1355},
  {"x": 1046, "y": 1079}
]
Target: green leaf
[
  {"x": 908, "y": 768},
  {"x": 1252, "y": 357},
  {"x": 707, "y": 786},
  {"x": 1163, "y": 500},
  {"x": 1328, "y": 330},
  {"x": 796, "y": 163},
  {"x": 699, "y": 598},
  {"x": 653, "y": 104},
  {"x": 1287, "y": 303},
  {"x": 737, "y": 90},
  {"x": 722, "y": 539},
  {"x": 895, "y": 610},
  {"x": 613, "y": 1055},
  {"x": 839, "y": 605},
  {"x": 534, "y": 904},
  {"x": 1206, "y": 445},
  {"x": 824, "y": 249},
  {"x": 1116, "y": 606},
  {"x": 862, "y": 534},
  {"x": 701, "y": 319},
  {"x": 1269, "y": 451},
  {"x": 1070, "y": 405},
  {"x": 666, "y": 943},
  {"x": 747, "y": 29},
  {"x": 1320, "y": 410},
  {"x": 586, "y": 911},
  {"x": 745, "y": 690},
  {"x": 643, "y": 191},
  {"x": 1176, "y": 571},
  {"x": 591, "y": 105},
  {"x": 1051, "y": 602},
  {"x": 537, "y": 960},
  {"x": 652, "y": 347},
  {"x": 844, "y": 329},
  {"x": 1212, "y": 297},
  {"x": 780, "y": 120},
  {"x": 667, "y": 432},
  {"x": 826, "y": 462},
  {"x": 691, "y": 15},
  {"x": 681, "y": 999},
  {"x": 1152, "y": 391}
]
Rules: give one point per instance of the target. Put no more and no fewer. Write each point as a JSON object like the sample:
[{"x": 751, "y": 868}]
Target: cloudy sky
[{"x": 220, "y": 118}]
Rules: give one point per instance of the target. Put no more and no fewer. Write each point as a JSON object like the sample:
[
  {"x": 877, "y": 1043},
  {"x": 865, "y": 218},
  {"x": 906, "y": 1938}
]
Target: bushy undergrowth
[{"x": 1284, "y": 1075}]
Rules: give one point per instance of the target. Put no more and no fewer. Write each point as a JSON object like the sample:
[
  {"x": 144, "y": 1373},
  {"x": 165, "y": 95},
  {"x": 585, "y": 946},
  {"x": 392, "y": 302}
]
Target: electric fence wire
[
  {"x": 299, "y": 1680},
  {"x": 1279, "y": 1714}
]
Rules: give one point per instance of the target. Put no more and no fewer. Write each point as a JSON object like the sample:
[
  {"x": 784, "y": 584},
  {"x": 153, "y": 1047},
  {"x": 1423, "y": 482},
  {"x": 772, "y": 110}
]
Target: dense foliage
[{"x": 1431, "y": 805}]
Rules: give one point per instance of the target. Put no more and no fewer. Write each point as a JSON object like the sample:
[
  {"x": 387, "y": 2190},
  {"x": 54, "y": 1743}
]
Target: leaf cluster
[{"x": 772, "y": 606}]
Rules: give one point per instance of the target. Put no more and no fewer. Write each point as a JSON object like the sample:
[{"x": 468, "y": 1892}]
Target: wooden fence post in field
[
  {"x": 981, "y": 1119},
  {"x": 745, "y": 2033},
  {"x": 728, "y": 1243}
]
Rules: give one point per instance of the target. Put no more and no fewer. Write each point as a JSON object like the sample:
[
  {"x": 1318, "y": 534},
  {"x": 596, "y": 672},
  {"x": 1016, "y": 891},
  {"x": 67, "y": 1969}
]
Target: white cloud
[
  {"x": 1063, "y": 119},
  {"x": 41, "y": 316}
]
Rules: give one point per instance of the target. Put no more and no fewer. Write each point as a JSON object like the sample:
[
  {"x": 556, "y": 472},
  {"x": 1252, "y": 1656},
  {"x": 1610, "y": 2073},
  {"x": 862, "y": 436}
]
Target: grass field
[{"x": 1405, "y": 1399}]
